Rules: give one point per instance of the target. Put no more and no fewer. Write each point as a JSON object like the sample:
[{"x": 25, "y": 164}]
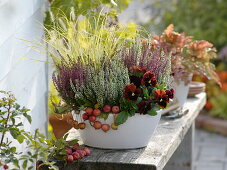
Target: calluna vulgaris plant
[
  {"x": 144, "y": 55},
  {"x": 104, "y": 86},
  {"x": 62, "y": 78}
]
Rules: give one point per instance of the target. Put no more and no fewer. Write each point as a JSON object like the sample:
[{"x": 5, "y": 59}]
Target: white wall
[{"x": 22, "y": 19}]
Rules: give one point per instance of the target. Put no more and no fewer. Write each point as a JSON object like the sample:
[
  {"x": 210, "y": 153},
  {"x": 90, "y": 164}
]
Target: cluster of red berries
[
  {"x": 92, "y": 114},
  {"x": 76, "y": 153}
]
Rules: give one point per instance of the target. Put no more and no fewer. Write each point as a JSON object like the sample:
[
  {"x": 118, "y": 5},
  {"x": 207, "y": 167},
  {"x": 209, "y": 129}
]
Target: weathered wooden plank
[
  {"x": 101, "y": 166},
  {"x": 166, "y": 139},
  {"x": 183, "y": 156}
]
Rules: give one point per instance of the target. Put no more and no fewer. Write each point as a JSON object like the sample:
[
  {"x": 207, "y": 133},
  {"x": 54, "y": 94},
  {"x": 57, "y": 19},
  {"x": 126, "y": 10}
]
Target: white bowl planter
[
  {"x": 181, "y": 89},
  {"x": 134, "y": 133}
]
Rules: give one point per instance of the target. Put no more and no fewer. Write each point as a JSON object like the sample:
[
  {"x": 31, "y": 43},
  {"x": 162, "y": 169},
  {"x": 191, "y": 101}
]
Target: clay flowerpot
[
  {"x": 223, "y": 79},
  {"x": 181, "y": 88},
  {"x": 60, "y": 124},
  {"x": 134, "y": 133}
]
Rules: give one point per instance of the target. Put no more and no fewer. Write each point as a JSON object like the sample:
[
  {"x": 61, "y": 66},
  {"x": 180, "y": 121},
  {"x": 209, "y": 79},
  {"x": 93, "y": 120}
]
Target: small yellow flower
[
  {"x": 50, "y": 128},
  {"x": 97, "y": 106}
]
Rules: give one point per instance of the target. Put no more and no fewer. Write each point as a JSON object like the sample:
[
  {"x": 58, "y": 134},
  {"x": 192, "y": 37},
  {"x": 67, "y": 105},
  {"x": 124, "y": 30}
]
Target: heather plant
[
  {"x": 103, "y": 86},
  {"x": 156, "y": 60},
  {"x": 64, "y": 74},
  {"x": 175, "y": 44}
]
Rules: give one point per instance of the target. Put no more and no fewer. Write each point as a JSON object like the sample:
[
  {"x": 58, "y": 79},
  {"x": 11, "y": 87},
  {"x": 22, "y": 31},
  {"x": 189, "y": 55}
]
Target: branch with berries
[{"x": 40, "y": 150}]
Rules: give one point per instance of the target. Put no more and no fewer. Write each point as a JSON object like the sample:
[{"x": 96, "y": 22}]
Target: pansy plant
[{"x": 143, "y": 95}]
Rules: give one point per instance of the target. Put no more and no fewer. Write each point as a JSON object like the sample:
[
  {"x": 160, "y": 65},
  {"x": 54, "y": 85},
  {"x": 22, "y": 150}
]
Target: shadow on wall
[{"x": 25, "y": 78}]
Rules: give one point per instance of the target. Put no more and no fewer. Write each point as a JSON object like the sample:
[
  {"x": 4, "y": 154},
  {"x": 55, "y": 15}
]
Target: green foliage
[
  {"x": 37, "y": 146},
  {"x": 104, "y": 116},
  {"x": 203, "y": 19},
  {"x": 55, "y": 103},
  {"x": 219, "y": 106},
  {"x": 87, "y": 41},
  {"x": 59, "y": 8},
  {"x": 152, "y": 112},
  {"x": 121, "y": 118},
  {"x": 11, "y": 114},
  {"x": 130, "y": 108},
  {"x": 10, "y": 124}
]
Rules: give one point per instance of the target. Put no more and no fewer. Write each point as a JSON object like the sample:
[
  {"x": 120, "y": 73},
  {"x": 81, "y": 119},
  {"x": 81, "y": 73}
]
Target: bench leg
[{"x": 182, "y": 159}]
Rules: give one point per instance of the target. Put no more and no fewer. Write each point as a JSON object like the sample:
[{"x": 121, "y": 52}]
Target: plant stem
[{"x": 6, "y": 124}]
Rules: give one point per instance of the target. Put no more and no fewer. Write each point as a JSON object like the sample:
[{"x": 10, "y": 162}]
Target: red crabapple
[
  {"x": 105, "y": 127},
  {"x": 92, "y": 118},
  {"x": 96, "y": 112},
  {"x": 85, "y": 116},
  {"x": 115, "y": 109},
  {"x": 89, "y": 111},
  {"x": 97, "y": 125},
  {"x": 106, "y": 108}
]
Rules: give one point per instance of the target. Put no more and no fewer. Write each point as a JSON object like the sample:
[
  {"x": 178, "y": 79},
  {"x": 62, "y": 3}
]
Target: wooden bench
[{"x": 170, "y": 148}]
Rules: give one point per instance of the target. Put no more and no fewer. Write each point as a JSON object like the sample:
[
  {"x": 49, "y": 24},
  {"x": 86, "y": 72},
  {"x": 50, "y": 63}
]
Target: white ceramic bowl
[{"x": 134, "y": 133}]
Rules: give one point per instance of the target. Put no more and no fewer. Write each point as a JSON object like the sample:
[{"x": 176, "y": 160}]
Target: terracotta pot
[{"x": 60, "y": 124}]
